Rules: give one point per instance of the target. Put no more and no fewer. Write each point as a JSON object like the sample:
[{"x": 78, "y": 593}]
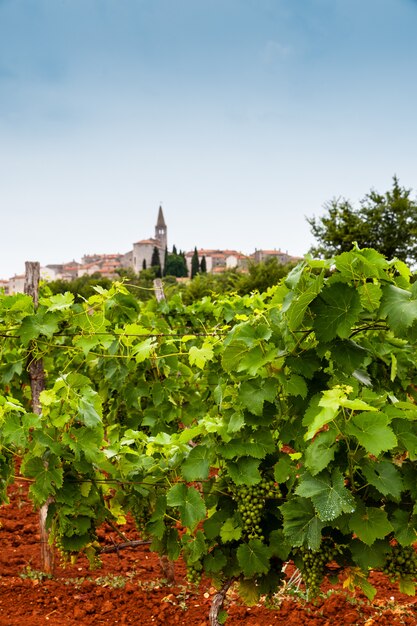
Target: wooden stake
[
  {"x": 37, "y": 385},
  {"x": 158, "y": 288}
]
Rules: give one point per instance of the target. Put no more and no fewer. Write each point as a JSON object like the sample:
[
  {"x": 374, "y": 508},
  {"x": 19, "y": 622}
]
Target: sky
[{"x": 240, "y": 117}]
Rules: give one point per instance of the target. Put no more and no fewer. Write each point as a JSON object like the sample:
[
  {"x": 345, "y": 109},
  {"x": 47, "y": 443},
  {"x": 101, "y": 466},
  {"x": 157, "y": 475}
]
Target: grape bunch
[
  {"x": 63, "y": 550},
  {"x": 313, "y": 565},
  {"x": 251, "y": 502},
  {"x": 141, "y": 513},
  {"x": 401, "y": 563},
  {"x": 194, "y": 572}
]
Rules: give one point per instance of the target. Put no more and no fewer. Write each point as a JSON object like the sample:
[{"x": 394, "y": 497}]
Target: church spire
[
  {"x": 161, "y": 230},
  {"x": 160, "y": 222}
]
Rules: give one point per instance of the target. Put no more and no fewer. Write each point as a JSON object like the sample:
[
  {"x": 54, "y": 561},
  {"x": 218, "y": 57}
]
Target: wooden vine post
[
  {"x": 37, "y": 385},
  {"x": 167, "y": 566},
  {"x": 158, "y": 288}
]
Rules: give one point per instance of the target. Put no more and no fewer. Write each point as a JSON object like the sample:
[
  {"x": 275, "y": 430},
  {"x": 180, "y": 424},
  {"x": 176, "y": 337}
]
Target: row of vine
[{"x": 240, "y": 432}]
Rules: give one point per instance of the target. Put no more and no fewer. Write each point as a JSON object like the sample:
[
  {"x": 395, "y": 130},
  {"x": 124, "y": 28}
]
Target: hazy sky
[{"x": 240, "y": 116}]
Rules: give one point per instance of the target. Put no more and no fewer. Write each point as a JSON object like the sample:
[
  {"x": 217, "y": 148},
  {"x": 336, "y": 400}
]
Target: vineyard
[{"x": 244, "y": 435}]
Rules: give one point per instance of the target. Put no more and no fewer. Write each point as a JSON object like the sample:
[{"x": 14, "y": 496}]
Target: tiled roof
[{"x": 148, "y": 242}]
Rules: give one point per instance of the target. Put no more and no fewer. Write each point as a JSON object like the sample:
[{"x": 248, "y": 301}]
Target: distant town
[{"x": 140, "y": 257}]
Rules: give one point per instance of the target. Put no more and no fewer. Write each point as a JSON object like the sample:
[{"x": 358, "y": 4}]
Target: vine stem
[
  {"x": 123, "y": 545},
  {"x": 217, "y": 603}
]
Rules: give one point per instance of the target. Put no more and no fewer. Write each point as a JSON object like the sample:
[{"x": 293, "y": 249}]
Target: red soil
[{"x": 129, "y": 589}]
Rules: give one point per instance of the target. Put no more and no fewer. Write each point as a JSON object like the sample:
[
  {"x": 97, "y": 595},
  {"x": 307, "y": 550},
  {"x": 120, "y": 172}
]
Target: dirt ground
[{"x": 130, "y": 588}]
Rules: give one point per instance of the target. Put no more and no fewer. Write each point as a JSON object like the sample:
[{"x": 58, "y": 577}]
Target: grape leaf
[
  {"x": 214, "y": 561},
  {"x": 407, "y": 586},
  {"x": 399, "y": 306},
  {"x": 405, "y": 525},
  {"x": 296, "y": 303},
  {"x": 195, "y": 547},
  {"x": 200, "y": 356},
  {"x": 384, "y": 476},
  {"x": 233, "y": 355},
  {"x": 87, "y": 409},
  {"x": 244, "y": 471},
  {"x": 322, "y": 410},
  {"x": 283, "y": 469},
  {"x": 58, "y": 302},
  {"x": 197, "y": 464},
  {"x": 347, "y": 355},
  {"x": 369, "y": 557},
  {"x": 253, "y": 557},
  {"x": 253, "y": 394},
  {"x": 41, "y": 323},
  {"x": 249, "y": 592},
  {"x": 143, "y": 350},
  {"x": 48, "y": 477},
  {"x": 336, "y": 311},
  {"x": 189, "y": 502},
  {"x": 321, "y": 451},
  {"x": 369, "y": 524},
  {"x": 372, "y": 432},
  {"x": 328, "y": 494},
  {"x": 230, "y": 530},
  {"x": 301, "y": 523}
]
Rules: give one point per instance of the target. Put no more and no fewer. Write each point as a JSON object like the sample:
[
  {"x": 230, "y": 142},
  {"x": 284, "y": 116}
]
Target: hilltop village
[{"x": 141, "y": 257}]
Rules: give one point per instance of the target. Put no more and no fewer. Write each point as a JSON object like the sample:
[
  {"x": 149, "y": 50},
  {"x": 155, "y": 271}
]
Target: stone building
[{"x": 143, "y": 249}]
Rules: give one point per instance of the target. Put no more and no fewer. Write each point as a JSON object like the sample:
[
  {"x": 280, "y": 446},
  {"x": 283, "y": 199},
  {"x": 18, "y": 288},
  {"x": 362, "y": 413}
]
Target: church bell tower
[{"x": 161, "y": 230}]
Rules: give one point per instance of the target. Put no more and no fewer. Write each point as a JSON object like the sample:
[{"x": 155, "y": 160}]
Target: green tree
[
  {"x": 386, "y": 222},
  {"x": 261, "y": 276},
  {"x": 82, "y": 288},
  {"x": 165, "y": 261},
  {"x": 156, "y": 262},
  {"x": 195, "y": 264},
  {"x": 184, "y": 260},
  {"x": 203, "y": 265},
  {"x": 175, "y": 265}
]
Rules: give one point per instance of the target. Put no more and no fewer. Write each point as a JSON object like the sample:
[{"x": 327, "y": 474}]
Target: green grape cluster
[
  {"x": 194, "y": 572},
  {"x": 140, "y": 510},
  {"x": 251, "y": 503},
  {"x": 62, "y": 549},
  {"x": 313, "y": 566},
  {"x": 401, "y": 563}
]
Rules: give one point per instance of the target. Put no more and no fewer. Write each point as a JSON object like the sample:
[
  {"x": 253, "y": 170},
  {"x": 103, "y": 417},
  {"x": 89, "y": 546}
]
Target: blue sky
[{"x": 241, "y": 117}]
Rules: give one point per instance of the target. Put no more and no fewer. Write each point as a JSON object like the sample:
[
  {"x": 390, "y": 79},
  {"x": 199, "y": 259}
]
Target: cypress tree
[
  {"x": 203, "y": 265},
  {"x": 156, "y": 262},
  {"x": 195, "y": 264},
  {"x": 165, "y": 261},
  {"x": 184, "y": 262}
]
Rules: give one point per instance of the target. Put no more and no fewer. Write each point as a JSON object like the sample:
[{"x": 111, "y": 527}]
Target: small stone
[
  {"x": 107, "y": 607},
  {"x": 79, "y": 612}
]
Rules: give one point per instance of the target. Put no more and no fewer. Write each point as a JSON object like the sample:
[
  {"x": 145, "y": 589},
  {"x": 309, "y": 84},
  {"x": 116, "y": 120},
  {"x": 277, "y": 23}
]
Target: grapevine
[{"x": 234, "y": 429}]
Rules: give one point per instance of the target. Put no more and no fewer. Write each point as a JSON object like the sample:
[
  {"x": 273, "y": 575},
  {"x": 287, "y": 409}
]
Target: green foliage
[
  {"x": 262, "y": 276},
  {"x": 82, "y": 288},
  {"x": 156, "y": 262},
  {"x": 270, "y": 426},
  {"x": 386, "y": 222},
  {"x": 195, "y": 264},
  {"x": 175, "y": 264}
]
